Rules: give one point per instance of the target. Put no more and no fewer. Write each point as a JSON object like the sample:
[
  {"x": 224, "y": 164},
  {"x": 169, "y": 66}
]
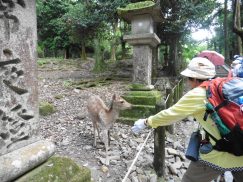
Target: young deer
[{"x": 103, "y": 117}]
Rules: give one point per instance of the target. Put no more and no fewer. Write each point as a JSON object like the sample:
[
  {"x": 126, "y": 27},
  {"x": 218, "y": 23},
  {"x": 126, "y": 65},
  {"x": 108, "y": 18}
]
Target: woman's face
[{"x": 192, "y": 82}]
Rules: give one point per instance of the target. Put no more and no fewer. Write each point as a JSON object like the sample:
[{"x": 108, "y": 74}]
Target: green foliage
[
  {"x": 52, "y": 31},
  {"x": 191, "y": 48},
  {"x": 138, "y": 5},
  {"x": 108, "y": 9},
  {"x": 40, "y": 51},
  {"x": 181, "y": 15},
  {"x": 67, "y": 83},
  {"x": 46, "y": 108},
  {"x": 42, "y": 62},
  {"x": 83, "y": 22}
]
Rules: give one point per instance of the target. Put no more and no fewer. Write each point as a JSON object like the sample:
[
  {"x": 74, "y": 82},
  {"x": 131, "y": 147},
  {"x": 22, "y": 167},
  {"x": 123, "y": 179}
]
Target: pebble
[{"x": 74, "y": 137}]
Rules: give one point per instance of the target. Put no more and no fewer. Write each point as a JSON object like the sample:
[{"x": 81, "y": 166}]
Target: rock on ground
[{"x": 71, "y": 130}]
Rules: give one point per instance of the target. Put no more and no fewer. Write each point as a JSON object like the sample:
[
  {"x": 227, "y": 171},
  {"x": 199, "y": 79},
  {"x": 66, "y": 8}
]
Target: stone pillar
[
  {"x": 18, "y": 90},
  {"x": 144, "y": 41}
]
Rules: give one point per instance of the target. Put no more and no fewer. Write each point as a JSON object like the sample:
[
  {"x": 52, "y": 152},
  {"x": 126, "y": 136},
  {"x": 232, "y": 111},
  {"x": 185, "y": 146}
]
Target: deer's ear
[{"x": 114, "y": 97}]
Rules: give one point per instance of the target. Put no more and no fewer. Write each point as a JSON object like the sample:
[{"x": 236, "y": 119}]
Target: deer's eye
[{"x": 122, "y": 102}]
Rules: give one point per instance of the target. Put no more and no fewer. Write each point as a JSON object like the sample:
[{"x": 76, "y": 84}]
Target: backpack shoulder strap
[{"x": 205, "y": 84}]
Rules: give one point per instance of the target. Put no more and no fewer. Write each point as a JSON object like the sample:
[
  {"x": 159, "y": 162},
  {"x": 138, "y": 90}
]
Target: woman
[{"x": 210, "y": 165}]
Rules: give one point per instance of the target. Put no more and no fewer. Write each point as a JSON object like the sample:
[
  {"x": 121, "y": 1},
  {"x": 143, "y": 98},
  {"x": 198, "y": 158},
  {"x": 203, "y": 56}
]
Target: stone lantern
[
  {"x": 143, "y": 38},
  {"x": 142, "y": 16}
]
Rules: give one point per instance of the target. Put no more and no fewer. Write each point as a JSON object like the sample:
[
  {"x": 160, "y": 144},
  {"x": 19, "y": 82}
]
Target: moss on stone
[
  {"x": 45, "y": 108},
  {"x": 152, "y": 93},
  {"x": 134, "y": 6},
  {"x": 137, "y": 86},
  {"x": 144, "y": 103},
  {"x": 141, "y": 100},
  {"x": 57, "y": 169},
  {"x": 139, "y": 111}
]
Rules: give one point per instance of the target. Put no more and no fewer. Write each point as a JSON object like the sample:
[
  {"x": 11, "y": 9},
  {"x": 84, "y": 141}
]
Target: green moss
[
  {"x": 144, "y": 103},
  {"x": 42, "y": 62},
  {"x": 138, "y": 5},
  {"x": 67, "y": 83},
  {"x": 59, "y": 96},
  {"x": 139, "y": 111},
  {"x": 152, "y": 93},
  {"x": 137, "y": 86},
  {"x": 45, "y": 108},
  {"x": 140, "y": 100},
  {"x": 57, "y": 169}
]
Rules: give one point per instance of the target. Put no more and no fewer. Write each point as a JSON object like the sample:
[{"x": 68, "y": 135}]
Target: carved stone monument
[{"x": 20, "y": 146}]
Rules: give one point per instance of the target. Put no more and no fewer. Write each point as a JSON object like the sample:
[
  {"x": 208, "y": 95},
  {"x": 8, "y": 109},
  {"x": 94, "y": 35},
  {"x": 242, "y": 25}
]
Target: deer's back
[{"x": 96, "y": 105}]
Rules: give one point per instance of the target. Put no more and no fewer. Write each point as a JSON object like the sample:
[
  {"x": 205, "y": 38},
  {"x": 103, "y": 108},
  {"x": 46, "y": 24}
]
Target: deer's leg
[
  {"x": 109, "y": 139},
  {"x": 95, "y": 127},
  {"x": 98, "y": 132},
  {"x": 106, "y": 142}
]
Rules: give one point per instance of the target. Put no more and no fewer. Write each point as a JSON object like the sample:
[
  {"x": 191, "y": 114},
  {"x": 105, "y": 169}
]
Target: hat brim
[{"x": 189, "y": 73}]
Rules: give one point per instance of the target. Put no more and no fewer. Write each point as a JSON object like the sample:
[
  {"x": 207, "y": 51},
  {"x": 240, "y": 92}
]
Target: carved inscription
[
  {"x": 10, "y": 21},
  {"x": 15, "y": 118}
]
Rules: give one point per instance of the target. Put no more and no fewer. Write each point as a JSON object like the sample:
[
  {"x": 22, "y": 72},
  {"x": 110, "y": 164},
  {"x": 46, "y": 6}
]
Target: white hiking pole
[{"x": 135, "y": 159}]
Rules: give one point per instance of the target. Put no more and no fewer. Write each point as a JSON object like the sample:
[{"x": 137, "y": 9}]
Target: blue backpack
[{"x": 239, "y": 70}]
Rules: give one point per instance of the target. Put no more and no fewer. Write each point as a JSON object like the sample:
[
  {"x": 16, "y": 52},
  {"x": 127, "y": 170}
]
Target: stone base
[
  {"x": 59, "y": 169},
  {"x": 18, "y": 162},
  {"x": 144, "y": 105}
]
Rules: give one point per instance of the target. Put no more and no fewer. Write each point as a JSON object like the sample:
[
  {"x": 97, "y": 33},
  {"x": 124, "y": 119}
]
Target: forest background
[{"x": 70, "y": 29}]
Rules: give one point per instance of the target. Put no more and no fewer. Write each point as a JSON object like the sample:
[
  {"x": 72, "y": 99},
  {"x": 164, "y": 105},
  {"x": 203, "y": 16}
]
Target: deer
[{"x": 103, "y": 117}]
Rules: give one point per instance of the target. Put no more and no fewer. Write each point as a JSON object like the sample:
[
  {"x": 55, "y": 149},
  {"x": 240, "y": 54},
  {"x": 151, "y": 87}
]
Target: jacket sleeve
[{"x": 191, "y": 103}]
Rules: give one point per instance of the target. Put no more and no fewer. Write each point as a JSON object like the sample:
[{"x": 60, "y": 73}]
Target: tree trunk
[
  {"x": 226, "y": 38},
  {"x": 99, "y": 62},
  {"x": 123, "y": 48},
  {"x": 83, "y": 52},
  {"x": 113, "y": 42},
  {"x": 237, "y": 25},
  {"x": 113, "y": 50},
  {"x": 123, "y": 42},
  {"x": 174, "y": 61},
  {"x": 67, "y": 53}
]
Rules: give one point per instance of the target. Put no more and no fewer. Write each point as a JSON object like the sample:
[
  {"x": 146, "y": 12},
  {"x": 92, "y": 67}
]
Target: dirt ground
[{"x": 71, "y": 130}]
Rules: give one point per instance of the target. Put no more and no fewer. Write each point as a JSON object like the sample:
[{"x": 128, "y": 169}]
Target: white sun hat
[{"x": 200, "y": 68}]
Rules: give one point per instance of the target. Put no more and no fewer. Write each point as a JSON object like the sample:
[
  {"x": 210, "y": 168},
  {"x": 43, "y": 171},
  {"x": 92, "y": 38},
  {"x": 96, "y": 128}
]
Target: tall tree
[
  {"x": 226, "y": 37},
  {"x": 108, "y": 10},
  {"x": 83, "y": 21},
  {"x": 237, "y": 25},
  {"x": 180, "y": 16},
  {"x": 52, "y": 32}
]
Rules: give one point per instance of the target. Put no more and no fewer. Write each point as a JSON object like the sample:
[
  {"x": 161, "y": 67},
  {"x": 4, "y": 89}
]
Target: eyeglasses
[{"x": 191, "y": 79}]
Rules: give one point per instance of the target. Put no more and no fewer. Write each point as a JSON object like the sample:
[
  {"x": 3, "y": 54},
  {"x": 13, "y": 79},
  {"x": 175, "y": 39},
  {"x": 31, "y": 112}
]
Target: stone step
[
  {"x": 141, "y": 100},
  {"x": 138, "y": 111}
]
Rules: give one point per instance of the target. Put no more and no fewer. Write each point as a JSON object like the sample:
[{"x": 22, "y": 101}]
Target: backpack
[
  {"x": 238, "y": 69},
  {"x": 225, "y": 107}
]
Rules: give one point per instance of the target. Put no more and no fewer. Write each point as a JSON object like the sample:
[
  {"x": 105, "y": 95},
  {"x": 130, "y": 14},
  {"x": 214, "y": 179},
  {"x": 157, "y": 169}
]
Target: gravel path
[{"x": 71, "y": 130}]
